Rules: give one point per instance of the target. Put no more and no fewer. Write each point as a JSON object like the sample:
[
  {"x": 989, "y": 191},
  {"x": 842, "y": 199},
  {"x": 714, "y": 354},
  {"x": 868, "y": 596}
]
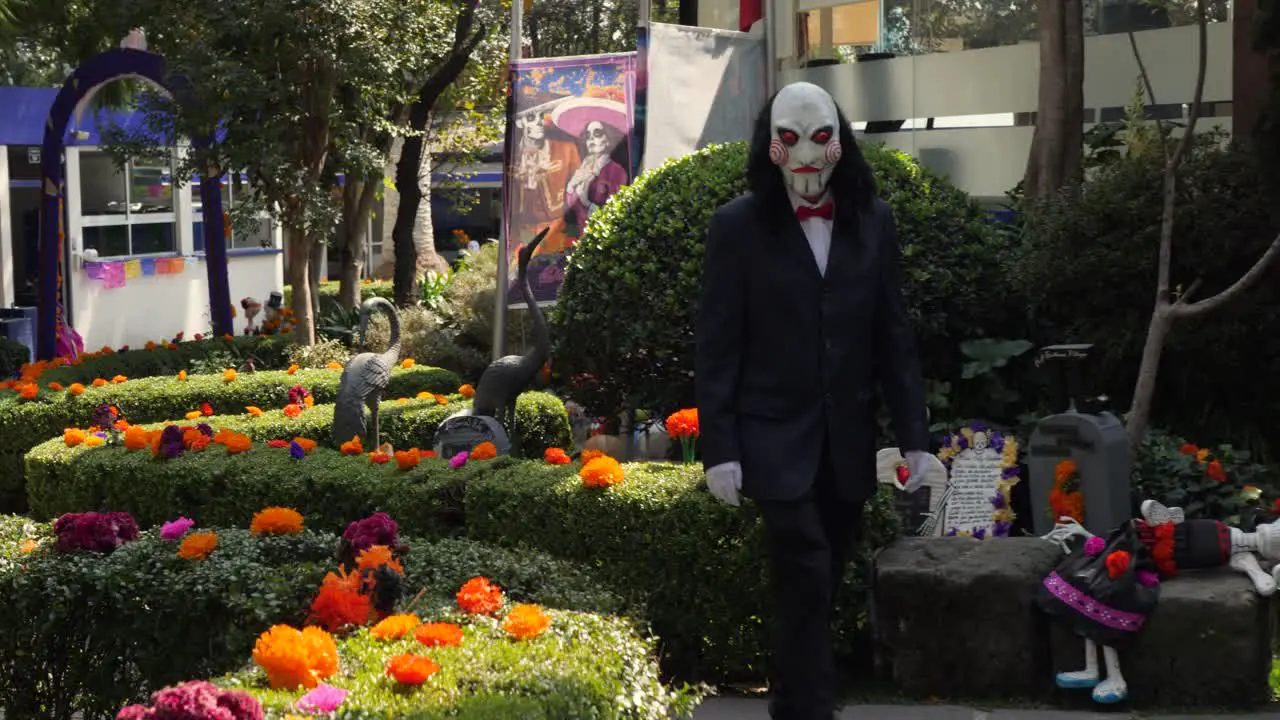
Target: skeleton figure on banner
[
  {"x": 542, "y": 169},
  {"x": 600, "y": 124}
]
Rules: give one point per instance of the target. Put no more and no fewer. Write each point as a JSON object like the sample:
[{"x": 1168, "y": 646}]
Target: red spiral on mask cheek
[
  {"x": 834, "y": 152},
  {"x": 778, "y": 152}
]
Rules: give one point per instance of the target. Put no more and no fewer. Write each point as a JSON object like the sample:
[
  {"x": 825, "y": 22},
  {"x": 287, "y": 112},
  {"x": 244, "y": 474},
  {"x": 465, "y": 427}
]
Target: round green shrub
[
  {"x": 13, "y": 355},
  {"x": 625, "y": 315},
  {"x": 1089, "y": 269}
]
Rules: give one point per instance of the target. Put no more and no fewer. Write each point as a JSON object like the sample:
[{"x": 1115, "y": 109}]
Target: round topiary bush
[{"x": 623, "y": 324}]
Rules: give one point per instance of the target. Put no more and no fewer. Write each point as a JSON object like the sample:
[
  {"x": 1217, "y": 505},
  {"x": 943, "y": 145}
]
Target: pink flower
[
  {"x": 323, "y": 699},
  {"x": 1146, "y": 578},
  {"x": 1095, "y": 545},
  {"x": 175, "y": 529},
  {"x": 135, "y": 712},
  {"x": 459, "y": 460}
]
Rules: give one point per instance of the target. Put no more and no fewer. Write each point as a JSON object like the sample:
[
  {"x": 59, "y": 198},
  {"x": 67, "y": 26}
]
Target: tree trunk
[
  {"x": 1057, "y": 148},
  {"x": 299, "y": 280},
  {"x": 409, "y": 188},
  {"x": 315, "y": 270},
  {"x": 358, "y": 199},
  {"x": 1148, "y": 371}
]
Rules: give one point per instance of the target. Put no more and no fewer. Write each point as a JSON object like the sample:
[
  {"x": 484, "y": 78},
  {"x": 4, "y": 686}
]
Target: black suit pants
[{"x": 808, "y": 540}]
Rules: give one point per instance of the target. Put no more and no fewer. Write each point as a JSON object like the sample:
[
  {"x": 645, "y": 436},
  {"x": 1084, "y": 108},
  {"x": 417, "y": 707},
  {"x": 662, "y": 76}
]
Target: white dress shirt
[{"x": 816, "y": 230}]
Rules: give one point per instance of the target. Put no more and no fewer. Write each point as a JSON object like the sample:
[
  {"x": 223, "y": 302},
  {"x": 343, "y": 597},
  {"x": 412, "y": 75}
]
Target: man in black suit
[{"x": 801, "y": 313}]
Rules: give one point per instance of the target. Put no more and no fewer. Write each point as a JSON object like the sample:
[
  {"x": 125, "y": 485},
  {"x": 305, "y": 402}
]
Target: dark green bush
[
  {"x": 220, "y": 489},
  {"x": 329, "y": 291},
  {"x": 1089, "y": 270},
  {"x": 626, "y": 313},
  {"x": 92, "y": 633},
  {"x": 268, "y": 353},
  {"x": 696, "y": 566},
  {"x": 13, "y": 355},
  {"x": 25, "y": 424},
  {"x": 583, "y": 666},
  {"x": 1218, "y": 483}
]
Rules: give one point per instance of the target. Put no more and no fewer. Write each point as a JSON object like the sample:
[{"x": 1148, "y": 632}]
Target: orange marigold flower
[
  {"x": 229, "y": 375},
  {"x": 56, "y": 387},
  {"x": 73, "y": 436},
  {"x": 171, "y": 346},
  {"x": 75, "y": 389},
  {"x": 229, "y": 337},
  {"x": 309, "y": 401},
  {"x": 407, "y": 363},
  {"x": 295, "y": 658},
  {"x": 339, "y": 604},
  {"x": 135, "y": 438},
  {"x": 601, "y": 472},
  {"x": 29, "y": 392},
  {"x": 182, "y": 376},
  {"x": 427, "y": 453},
  {"x": 28, "y": 546},
  {"x": 1202, "y": 455},
  {"x": 394, "y": 627},
  {"x": 197, "y": 546},
  {"x": 292, "y": 369},
  {"x": 589, "y": 455},
  {"x": 467, "y": 391},
  {"x": 237, "y": 443},
  {"x": 334, "y": 366},
  {"x": 201, "y": 442},
  {"x": 556, "y": 456},
  {"x": 683, "y": 424},
  {"x": 222, "y": 436},
  {"x": 99, "y": 382},
  {"x": 379, "y": 458},
  {"x": 408, "y": 459},
  {"x": 354, "y": 446},
  {"x": 122, "y": 425},
  {"x": 1064, "y": 471},
  {"x": 438, "y": 634},
  {"x": 1117, "y": 562},
  {"x": 276, "y": 521},
  {"x": 307, "y": 444},
  {"x": 253, "y": 410},
  {"x": 93, "y": 440},
  {"x": 484, "y": 451},
  {"x": 478, "y": 596},
  {"x": 1188, "y": 449},
  {"x": 194, "y": 414},
  {"x": 119, "y": 379},
  {"x": 423, "y": 395},
  {"x": 292, "y": 410},
  {"x": 526, "y": 622},
  {"x": 411, "y": 669},
  {"x": 376, "y": 556},
  {"x": 1215, "y": 471},
  {"x": 441, "y": 400}
]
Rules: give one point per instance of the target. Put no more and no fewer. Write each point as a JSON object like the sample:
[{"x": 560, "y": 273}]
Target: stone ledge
[{"x": 956, "y": 618}]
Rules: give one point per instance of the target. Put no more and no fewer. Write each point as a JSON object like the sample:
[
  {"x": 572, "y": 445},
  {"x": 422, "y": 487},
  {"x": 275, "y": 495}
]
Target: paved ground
[{"x": 752, "y": 709}]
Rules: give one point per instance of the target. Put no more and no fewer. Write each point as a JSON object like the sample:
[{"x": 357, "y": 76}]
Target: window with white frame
[
  {"x": 129, "y": 210},
  {"x": 235, "y": 192}
]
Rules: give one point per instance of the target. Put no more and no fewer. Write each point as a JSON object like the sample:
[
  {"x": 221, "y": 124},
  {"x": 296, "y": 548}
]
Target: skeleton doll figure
[{"x": 1107, "y": 604}]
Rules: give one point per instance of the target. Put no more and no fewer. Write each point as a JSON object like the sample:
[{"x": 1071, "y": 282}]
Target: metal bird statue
[{"x": 364, "y": 379}]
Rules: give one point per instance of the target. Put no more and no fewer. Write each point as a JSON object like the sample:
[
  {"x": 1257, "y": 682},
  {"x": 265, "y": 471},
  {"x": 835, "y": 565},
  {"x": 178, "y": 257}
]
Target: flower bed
[
  {"x": 327, "y": 486},
  {"x": 27, "y": 423},
  {"x": 161, "y": 358},
  {"x": 92, "y": 632}
]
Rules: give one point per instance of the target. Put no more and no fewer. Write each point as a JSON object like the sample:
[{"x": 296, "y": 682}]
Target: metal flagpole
[
  {"x": 500, "y": 297},
  {"x": 771, "y": 46}
]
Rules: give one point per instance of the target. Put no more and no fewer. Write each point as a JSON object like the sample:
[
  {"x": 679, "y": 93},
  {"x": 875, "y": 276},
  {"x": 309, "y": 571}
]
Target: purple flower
[
  {"x": 1009, "y": 473},
  {"x": 377, "y": 529},
  {"x": 135, "y": 712},
  {"x": 295, "y": 450},
  {"x": 175, "y": 529},
  {"x": 205, "y": 429},
  {"x": 459, "y": 460},
  {"x": 103, "y": 416},
  {"x": 298, "y": 395},
  {"x": 1095, "y": 545},
  {"x": 94, "y": 531},
  {"x": 996, "y": 441},
  {"x": 1001, "y": 529},
  {"x": 1146, "y": 578},
  {"x": 171, "y": 445},
  {"x": 323, "y": 699},
  {"x": 997, "y": 501},
  {"x": 197, "y": 700},
  {"x": 953, "y": 532},
  {"x": 979, "y": 533}
]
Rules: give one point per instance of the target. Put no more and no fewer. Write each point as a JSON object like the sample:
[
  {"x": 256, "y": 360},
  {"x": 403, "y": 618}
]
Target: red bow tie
[{"x": 823, "y": 211}]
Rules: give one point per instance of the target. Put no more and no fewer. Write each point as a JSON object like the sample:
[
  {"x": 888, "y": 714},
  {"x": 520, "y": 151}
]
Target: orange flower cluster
[
  {"x": 197, "y": 546},
  {"x": 276, "y": 521},
  {"x": 379, "y": 457},
  {"x": 411, "y": 669},
  {"x": 526, "y": 622},
  {"x": 408, "y": 459},
  {"x": 467, "y": 391},
  {"x": 683, "y": 424},
  {"x": 340, "y": 603},
  {"x": 1162, "y": 551},
  {"x": 1065, "y": 498},
  {"x": 394, "y": 627},
  {"x": 484, "y": 451},
  {"x": 438, "y": 634},
  {"x": 234, "y": 442},
  {"x": 377, "y": 556},
  {"x": 292, "y": 410},
  {"x": 1212, "y": 467},
  {"x": 333, "y": 366},
  {"x": 295, "y": 658},
  {"x": 1117, "y": 562},
  {"x": 407, "y": 363},
  {"x": 601, "y": 472},
  {"x": 253, "y": 410},
  {"x": 73, "y": 436},
  {"x": 292, "y": 369},
  {"x": 556, "y": 456},
  {"x": 354, "y": 446},
  {"x": 589, "y": 455},
  {"x": 478, "y": 596},
  {"x": 307, "y": 444},
  {"x": 230, "y": 375}
]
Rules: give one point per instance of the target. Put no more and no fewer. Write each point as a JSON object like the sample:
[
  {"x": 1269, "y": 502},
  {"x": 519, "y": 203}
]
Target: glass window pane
[
  {"x": 20, "y": 167},
  {"x": 108, "y": 240},
  {"x": 152, "y": 238},
  {"x": 102, "y": 185},
  {"x": 151, "y": 185},
  {"x": 259, "y": 238}
]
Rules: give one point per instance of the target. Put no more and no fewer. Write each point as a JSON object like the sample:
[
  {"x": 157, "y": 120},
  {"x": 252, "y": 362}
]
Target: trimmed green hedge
[
  {"x": 328, "y": 487},
  {"x": 583, "y": 666},
  {"x": 697, "y": 566},
  {"x": 91, "y": 633},
  {"x": 25, "y": 424}
]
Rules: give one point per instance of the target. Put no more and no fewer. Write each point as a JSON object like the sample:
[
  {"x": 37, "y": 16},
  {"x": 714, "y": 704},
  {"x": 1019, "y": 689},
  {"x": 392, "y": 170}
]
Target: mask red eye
[
  {"x": 788, "y": 137},
  {"x": 822, "y": 137}
]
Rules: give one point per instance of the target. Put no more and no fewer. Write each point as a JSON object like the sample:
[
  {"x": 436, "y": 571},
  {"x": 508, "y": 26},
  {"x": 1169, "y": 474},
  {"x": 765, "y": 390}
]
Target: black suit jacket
[{"x": 787, "y": 358}]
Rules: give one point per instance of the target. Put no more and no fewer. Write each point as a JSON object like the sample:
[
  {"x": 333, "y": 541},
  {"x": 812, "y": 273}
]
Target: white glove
[
  {"x": 917, "y": 466},
  {"x": 725, "y": 481}
]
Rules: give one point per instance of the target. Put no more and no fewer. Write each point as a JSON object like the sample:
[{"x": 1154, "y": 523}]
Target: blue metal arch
[{"x": 102, "y": 69}]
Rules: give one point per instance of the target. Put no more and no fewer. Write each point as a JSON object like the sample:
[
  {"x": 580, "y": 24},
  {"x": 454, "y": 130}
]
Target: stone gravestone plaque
[
  {"x": 462, "y": 432},
  {"x": 983, "y": 470},
  {"x": 914, "y": 509}
]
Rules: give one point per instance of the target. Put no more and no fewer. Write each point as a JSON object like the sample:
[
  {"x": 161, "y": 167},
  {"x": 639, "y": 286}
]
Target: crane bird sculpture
[
  {"x": 494, "y": 405},
  {"x": 364, "y": 379}
]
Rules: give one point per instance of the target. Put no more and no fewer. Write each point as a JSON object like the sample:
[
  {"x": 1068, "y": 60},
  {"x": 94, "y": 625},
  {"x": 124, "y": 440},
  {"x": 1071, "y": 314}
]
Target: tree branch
[
  {"x": 1239, "y": 287},
  {"x": 1150, "y": 90},
  {"x": 1197, "y": 97}
]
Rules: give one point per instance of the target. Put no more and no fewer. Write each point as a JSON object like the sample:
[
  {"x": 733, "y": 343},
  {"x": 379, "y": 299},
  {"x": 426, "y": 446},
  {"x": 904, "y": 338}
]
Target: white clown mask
[{"x": 806, "y": 138}]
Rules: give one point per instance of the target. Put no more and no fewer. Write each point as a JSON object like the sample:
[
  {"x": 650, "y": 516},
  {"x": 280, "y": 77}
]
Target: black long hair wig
[{"x": 851, "y": 180}]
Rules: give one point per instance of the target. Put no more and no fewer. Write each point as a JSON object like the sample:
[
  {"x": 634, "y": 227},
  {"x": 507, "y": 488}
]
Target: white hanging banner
[{"x": 705, "y": 86}]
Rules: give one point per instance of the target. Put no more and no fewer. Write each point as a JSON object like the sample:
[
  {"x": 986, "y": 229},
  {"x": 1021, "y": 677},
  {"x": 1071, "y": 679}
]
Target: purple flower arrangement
[
  {"x": 175, "y": 529},
  {"x": 298, "y": 395},
  {"x": 171, "y": 445},
  {"x": 377, "y": 529},
  {"x": 94, "y": 531},
  {"x": 197, "y": 700}
]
